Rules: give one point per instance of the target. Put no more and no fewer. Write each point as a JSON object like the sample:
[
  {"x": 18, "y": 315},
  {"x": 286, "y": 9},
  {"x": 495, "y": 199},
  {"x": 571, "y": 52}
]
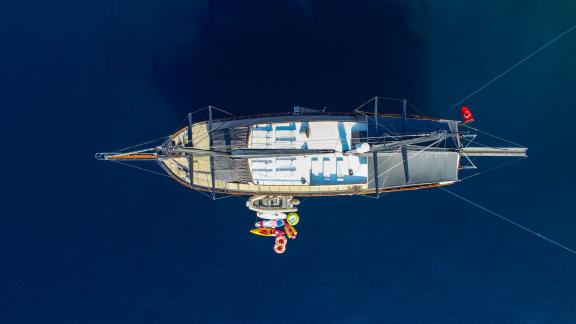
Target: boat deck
[
  {"x": 324, "y": 174},
  {"x": 311, "y": 175}
]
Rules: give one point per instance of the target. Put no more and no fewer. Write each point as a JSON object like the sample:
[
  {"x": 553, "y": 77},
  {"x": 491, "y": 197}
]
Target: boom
[{"x": 495, "y": 151}]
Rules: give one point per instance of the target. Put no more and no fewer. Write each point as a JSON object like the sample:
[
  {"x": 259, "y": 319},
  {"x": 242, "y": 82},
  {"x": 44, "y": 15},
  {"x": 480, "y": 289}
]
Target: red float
[
  {"x": 281, "y": 240},
  {"x": 279, "y": 248}
]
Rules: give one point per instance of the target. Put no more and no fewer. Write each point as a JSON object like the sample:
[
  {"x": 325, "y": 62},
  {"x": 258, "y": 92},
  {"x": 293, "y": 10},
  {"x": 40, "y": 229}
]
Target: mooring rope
[
  {"x": 514, "y": 66},
  {"x": 511, "y": 222}
]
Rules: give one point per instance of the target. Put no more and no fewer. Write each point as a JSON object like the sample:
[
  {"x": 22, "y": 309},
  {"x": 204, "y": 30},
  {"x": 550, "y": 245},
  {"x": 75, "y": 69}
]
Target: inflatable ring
[
  {"x": 281, "y": 240},
  {"x": 293, "y": 218},
  {"x": 279, "y": 248}
]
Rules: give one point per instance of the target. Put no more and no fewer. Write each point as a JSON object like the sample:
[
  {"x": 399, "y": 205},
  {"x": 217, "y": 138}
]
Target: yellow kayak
[
  {"x": 290, "y": 231},
  {"x": 264, "y": 231}
]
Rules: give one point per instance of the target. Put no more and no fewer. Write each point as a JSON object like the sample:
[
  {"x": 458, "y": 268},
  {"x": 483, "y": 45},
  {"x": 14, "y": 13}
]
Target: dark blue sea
[{"x": 85, "y": 241}]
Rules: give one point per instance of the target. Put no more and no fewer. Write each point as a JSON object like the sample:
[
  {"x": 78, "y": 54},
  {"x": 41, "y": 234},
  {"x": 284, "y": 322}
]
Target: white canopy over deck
[{"x": 325, "y": 169}]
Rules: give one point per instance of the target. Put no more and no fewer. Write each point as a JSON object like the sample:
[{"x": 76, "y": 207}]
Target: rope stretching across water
[
  {"x": 511, "y": 222},
  {"x": 514, "y": 66}
]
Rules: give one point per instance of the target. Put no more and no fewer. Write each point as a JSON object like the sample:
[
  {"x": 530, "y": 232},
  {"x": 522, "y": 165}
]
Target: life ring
[
  {"x": 278, "y": 248},
  {"x": 281, "y": 240}
]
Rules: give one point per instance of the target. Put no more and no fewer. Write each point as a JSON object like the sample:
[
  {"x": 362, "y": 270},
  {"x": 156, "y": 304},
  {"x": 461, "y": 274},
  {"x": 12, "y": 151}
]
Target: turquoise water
[{"x": 85, "y": 241}]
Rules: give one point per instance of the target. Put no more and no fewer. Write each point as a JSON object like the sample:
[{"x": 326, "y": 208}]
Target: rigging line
[
  {"x": 514, "y": 66},
  {"x": 396, "y": 99},
  {"x": 148, "y": 142},
  {"x": 224, "y": 111},
  {"x": 368, "y": 196},
  {"x": 183, "y": 124},
  {"x": 415, "y": 172},
  {"x": 221, "y": 124},
  {"x": 199, "y": 110},
  {"x": 204, "y": 194},
  {"x": 184, "y": 121},
  {"x": 337, "y": 140},
  {"x": 478, "y": 143},
  {"x": 239, "y": 197},
  {"x": 418, "y": 110},
  {"x": 131, "y": 152},
  {"x": 362, "y": 105},
  {"x": 483, "y": 145},
  {"x": 486, "y": 133},
  {"x": 389, "y": 131},
  {"x": 224, "y": 197},
  {"x": 392, "y": 99},
  {"x": 410, "y": 157},
  {"x": 209, "y": 132},
  {"x": 470, "y": 141},
  {"x": 133, "y": 166},
  {"x": 372, "y": 99},
  {"x": 493, "y": 168},
  {"x": 511, "y": 222},
  {"x": 203, "y": 136}
]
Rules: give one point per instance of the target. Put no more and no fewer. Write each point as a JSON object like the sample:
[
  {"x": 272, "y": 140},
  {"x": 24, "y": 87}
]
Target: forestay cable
[
  {"x": 514, "y": 66},
  {"x": 139, "y": 168},
  {"x": 486, "y": 133},
  {"x": 144, "y": 143},
  {"x": 511, "y": 222}
]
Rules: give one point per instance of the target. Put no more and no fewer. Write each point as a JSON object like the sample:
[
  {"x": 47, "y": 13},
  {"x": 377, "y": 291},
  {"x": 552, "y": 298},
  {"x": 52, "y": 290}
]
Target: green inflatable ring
[{"x": 292, "y": 218}]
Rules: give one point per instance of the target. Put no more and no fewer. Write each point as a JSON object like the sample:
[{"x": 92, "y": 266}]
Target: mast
[
  {"x": 189, "y": 143},
  {"x": 403, "y": 146},
  {"x": 211, "y": 141}
]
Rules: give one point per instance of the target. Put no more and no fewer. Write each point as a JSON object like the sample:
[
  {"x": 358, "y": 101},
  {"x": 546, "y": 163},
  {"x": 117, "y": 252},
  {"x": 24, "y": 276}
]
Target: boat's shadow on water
[{"x": 255, "y": 58}]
